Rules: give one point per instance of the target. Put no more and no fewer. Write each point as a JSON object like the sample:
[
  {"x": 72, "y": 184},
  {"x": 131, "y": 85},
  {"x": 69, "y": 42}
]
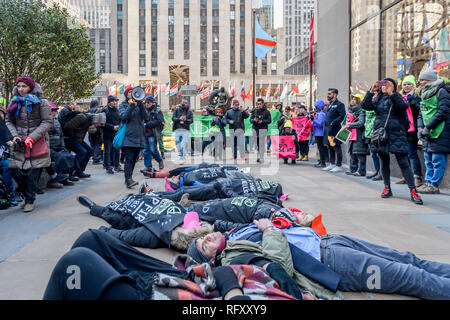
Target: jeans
[
  {"x": 376, "y": 161},
  {"x": 402, "y": 160},
  {"x": 336, "y": 152},
  {"x": 28, "y": 183},
  {"x": 368, "y": 267},
  {"x": 414, "y": 158},
  {"x": 436, "y": 163},
  {"x": 237, "y": 139},
  {"x": 7, "y": 177},
  {"x": 151, "y": 151},
  {"x": 358, "y": 163},
  {"x": 111, "y": 156},
  {"x": 131, "y": 157},
  {"x": 83, "y": 153},
  {"x": 182, "y": 140}
]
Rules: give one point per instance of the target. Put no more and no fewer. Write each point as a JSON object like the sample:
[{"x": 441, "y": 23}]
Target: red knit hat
[
  {"x": 27, "y": 80},
  {"x": 126, "y": 92}
]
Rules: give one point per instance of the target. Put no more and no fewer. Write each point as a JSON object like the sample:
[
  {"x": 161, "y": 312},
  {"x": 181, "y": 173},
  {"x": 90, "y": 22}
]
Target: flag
[
  {"x": 128, "y": 86},
  {"x": 200, "y": 87},
  {"x": 311, "y": 43},
  {"x": 205, "y": 94},
  {"x": 277, "y": 93},
  {"x": 179, "y": 93},
  {"x": 148, "y": 90},
  {"x": 243, "y": 95},
  {"x": 295, "y": 90},
  {"x": 263, "y": 42},
  {"x": 232, "y": 93},
  {"x": 112, "y": 91},
  {"x": 284, "y": 93},
  {"x": 164, "y": 87},
  {"x": 268, "y": 93},
  {"x": 173, "y": 91},
  {"x": 156, "y": 92},
  {"x": 249, "y": 95},
  {"x": 121, "y": 89}
]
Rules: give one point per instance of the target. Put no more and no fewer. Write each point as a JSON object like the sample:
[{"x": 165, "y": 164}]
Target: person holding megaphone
[{"x": 133, "y": 113}]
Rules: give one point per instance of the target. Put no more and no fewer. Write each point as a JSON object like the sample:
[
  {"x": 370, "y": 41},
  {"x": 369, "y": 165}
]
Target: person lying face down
[{"x": 350, "y": 264}]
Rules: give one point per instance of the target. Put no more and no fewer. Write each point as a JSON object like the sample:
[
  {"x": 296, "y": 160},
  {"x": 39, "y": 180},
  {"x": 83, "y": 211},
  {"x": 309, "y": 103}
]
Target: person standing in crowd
[
  {"x": 358, "y": 145},
  {"x": 111, "y": 155},
  {"x": 235, "y": 118},
  {"x": 332, "y": 124},
  {"x": 304, "y": 138},
  {"x": 66, "y": 110},
  {"x": 434, "y": 129},
  {"x": 286, "y": 115},
  {"x": 368, "y": 128},
  {"x": 6, "y": 172},
  {"x": 287, "y": 130},
  {"x": 216, "y": 134},
  {"x": 260, "y": 120},
  {"x": 95, "y": 139},
  {"x": 75, "y": 131},
  {"x": 278, "y": 112},
  {"x": 153, "y": 128},
  {"x": 318, "y": 134},
  {"x": 29, "y": 119},
  {"x": 133, "y": 114},
  {"x": 182, "y": 119},
  {"x": 390, "y": 109},
  {"x": 408, "y": 93}
]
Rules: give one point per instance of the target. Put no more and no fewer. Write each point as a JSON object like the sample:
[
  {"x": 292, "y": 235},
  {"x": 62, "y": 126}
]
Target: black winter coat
[
  {"x": 155, "y": 123},
  {"x": 398, "y": 124},
  {"x": 78, "y": 126},
  {"x": 261, "y": 114},
  {"x": 333, "y": 119},
  {"x": 361, "y": 145},
  {"x": 176, "y": 119},
  {"x": 112, "y": 120},
  {"x": 238, "y": 117},
  {"x": 56, "y": 135},
  {"x": 442, "y": 143}
]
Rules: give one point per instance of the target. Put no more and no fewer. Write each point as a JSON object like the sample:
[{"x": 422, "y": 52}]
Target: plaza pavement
[{"x": 31, "y": 244}]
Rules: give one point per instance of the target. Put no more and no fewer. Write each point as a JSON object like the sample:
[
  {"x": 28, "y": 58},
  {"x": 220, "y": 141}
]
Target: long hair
[{"x": 182, "y": 238}]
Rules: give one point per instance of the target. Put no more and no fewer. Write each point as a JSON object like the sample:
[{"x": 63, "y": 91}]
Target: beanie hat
[
  {"x": 319, "y": 104},
  {"x": 318, "y": 226},
  {"x": 196, "y": 254},
  {"x": 393, "y": 82},
  {"x": 235, "y": 101},
  {"x": 27, "y": 80},
  {"x": 53, "y": 107},
  {"x": 288, "y": 124},
  {"x": 430, "y": 75},
  {"x": 126, "y": 92},
  {"x": 99, "y": 118},
  {"x": 150, "y": 99},
  {"x": 410, "y": 79}
]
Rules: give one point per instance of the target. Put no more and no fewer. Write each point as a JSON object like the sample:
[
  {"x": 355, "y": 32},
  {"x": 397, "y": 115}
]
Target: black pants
[
  {"x": 103, "y": 264},
  {"x": 403, "y": 163},
  {"x": 323, "y": 151},
  {"x": 304, "y": 147},
  {"x": 196, "y": 193},
  {"x": 131, "y": 157},
  {"x": 358, "y": 163},
  {"x": 336, "y": 155},
  {"x": 28, "y": 183},
  {"x": 111, "y": 156}
]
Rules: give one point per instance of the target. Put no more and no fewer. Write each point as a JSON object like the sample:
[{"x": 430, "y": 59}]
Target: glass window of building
[
  {"x": 142, "y": 39},
  {"x": 186, "y": 30},
  {"x": 203, "y": 38},
  {"x": 242, "y": 36},
  {"x": 154, "y": 38},
  {"x": 171, "y": 28},
  {"x": 215, "y": 37}
]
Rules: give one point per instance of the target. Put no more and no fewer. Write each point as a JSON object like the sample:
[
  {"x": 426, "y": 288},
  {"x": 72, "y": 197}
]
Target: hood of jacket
[{"x": 37, "y": 91}]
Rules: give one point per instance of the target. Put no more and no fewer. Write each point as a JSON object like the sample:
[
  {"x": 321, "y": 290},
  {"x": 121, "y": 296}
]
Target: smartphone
[{"x": 381, "y": 83}]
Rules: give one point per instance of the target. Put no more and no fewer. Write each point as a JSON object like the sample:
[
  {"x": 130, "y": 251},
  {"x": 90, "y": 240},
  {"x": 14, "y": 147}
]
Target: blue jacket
[{"x": 318, "y": 123}]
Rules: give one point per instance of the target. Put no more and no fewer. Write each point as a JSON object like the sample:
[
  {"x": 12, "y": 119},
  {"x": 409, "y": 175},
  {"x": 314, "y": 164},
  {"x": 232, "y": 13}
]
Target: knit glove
[
  {"x": 29, "y": 142},
  {"x": 225, "y": 280},
  {"x": 286, "y": 283}
]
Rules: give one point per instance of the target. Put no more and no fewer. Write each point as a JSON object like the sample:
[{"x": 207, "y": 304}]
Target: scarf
[
  {"x": 431, "y": 89},
  {"x": 18, "y": 102}
]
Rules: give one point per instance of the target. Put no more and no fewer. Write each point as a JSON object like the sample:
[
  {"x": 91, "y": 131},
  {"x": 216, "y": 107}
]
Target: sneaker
[
  {"x": 83, "y": 175},
  {"x": 428, "y": 189},
  {"x": 28, "y": 207},
  {"x": 416, "y": 198},
  {"x": 161, "y": 165},
  {"x": 329, "y": 167},
  {"x": 401, "y": 181},
  {"x": 359, "y": 174},
  {"x": 110, "y": 171},
  {"x": 22, "y": 204},
  {"x": 337, "y": 169},
  {"x": 74, "y": 178},
  {"x": 13, "y": 202},
  {"x": 387, "y": 192},
  {"x": 418, "y": 182},
  {"x": 320, "y": 165},
  {"x": 378, "y": 177},
  {"x": 67, "y": 182},
  {"x": 131, "y": 183}
]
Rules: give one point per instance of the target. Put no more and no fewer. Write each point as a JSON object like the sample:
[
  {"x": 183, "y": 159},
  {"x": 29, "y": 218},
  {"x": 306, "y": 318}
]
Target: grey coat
[
  {"x": 134, "y": 117},
  {"x": 360, "y": 146},
  {"x": 34, "y": 125}
]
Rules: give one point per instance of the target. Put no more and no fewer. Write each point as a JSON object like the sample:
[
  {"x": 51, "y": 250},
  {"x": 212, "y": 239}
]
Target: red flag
[
  {"x": 311, "y": 42},
  {"x": 303, "y": 126},
  {"x": 250, "y": 93}
]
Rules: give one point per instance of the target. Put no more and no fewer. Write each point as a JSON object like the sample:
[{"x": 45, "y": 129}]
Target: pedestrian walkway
[{"x": 33, "y": 243}]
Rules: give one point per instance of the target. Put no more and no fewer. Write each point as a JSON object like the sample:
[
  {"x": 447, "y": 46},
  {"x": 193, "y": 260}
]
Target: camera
[{"x": 21, "y": 143}]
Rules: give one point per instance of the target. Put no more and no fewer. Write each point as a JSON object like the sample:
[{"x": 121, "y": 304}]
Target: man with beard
[{"x": 235, "y": 118}]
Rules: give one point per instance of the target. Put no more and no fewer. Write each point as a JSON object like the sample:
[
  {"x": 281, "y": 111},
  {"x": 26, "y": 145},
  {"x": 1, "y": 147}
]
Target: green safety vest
[{"x": 429, "y": 107}]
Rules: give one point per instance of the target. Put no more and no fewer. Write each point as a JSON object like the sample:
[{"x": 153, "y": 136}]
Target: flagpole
[
  {"x": 311, "y": 68},
  {"x": 253, "y": 53}
]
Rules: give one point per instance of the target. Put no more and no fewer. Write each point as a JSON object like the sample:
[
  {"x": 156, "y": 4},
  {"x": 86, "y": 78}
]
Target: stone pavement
[{"x": 31, "y": 244}]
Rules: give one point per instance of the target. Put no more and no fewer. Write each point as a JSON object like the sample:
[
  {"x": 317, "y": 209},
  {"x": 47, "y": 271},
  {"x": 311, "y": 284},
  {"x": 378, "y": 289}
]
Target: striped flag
[
  {"x": 155, "y": 94},
  {"x": 263, "y": 42},
  {"x": 205, "y": 94},
  {"x": 173, "y": 91},
  {"x": 243, "y": 95},
  {"x": 277, "y": 93},
  {"x": 268, "y": 92}
]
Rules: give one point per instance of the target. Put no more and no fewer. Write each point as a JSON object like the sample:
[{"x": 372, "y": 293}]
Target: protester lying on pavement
[
  {"x": 149, "y": 221},
  {"x": 112, "y": 270},
  {"x": 225, "y": 188},
  {"x": 361, "y": 266}
]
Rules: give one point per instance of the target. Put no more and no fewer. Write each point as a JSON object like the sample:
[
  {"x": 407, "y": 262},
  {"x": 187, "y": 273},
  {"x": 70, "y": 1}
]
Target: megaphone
[{"x": 138, "y": 94}]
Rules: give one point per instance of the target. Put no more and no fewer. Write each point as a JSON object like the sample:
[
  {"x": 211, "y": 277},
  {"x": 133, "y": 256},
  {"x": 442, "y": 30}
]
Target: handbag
[
  {"x": 379, "y": 136},
  {"x": 120, "y": 137},
  {"x": 39, "y": 149}
]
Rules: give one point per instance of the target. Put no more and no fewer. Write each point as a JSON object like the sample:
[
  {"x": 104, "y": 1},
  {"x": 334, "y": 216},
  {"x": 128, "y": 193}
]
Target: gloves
[
  {"x": 409, "y": 98},
  {"x": 331, "y": 141},
  {"x": 281, "y": 223},
  {"x": 286, "y": 283},
  {"x": 225, "y": 280},
  {"x": 29, "y": 142}
]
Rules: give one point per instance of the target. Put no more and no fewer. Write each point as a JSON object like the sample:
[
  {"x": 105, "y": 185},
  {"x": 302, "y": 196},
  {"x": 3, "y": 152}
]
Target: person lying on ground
[
  {"x": 361, "y": 266},
  {"x": 149, "y": 221},
  {"x": 225, "y": 188},
  {"x": 112, "y": 270}
]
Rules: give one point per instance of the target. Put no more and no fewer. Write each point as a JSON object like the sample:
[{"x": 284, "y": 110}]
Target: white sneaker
[
  {"x": 337, "y": 169},
  {"x": 330, "y": 167}
]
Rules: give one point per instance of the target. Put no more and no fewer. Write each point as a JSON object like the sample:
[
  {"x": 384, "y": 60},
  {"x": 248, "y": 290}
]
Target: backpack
[
  {"x": 4, "y": 199},
  {"x": 66, "y": 117}
]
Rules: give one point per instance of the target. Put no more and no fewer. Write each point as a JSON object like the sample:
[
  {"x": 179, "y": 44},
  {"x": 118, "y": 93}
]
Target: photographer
[
  {"x": 153, "y": 128},
  {"x": 182, "y": 120},
  {"x": 29, "y": 119},
  {"x": 235, "y": 118},
  {"x": 260, "y": 120},
  {"x": 392, "y": 123}
]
